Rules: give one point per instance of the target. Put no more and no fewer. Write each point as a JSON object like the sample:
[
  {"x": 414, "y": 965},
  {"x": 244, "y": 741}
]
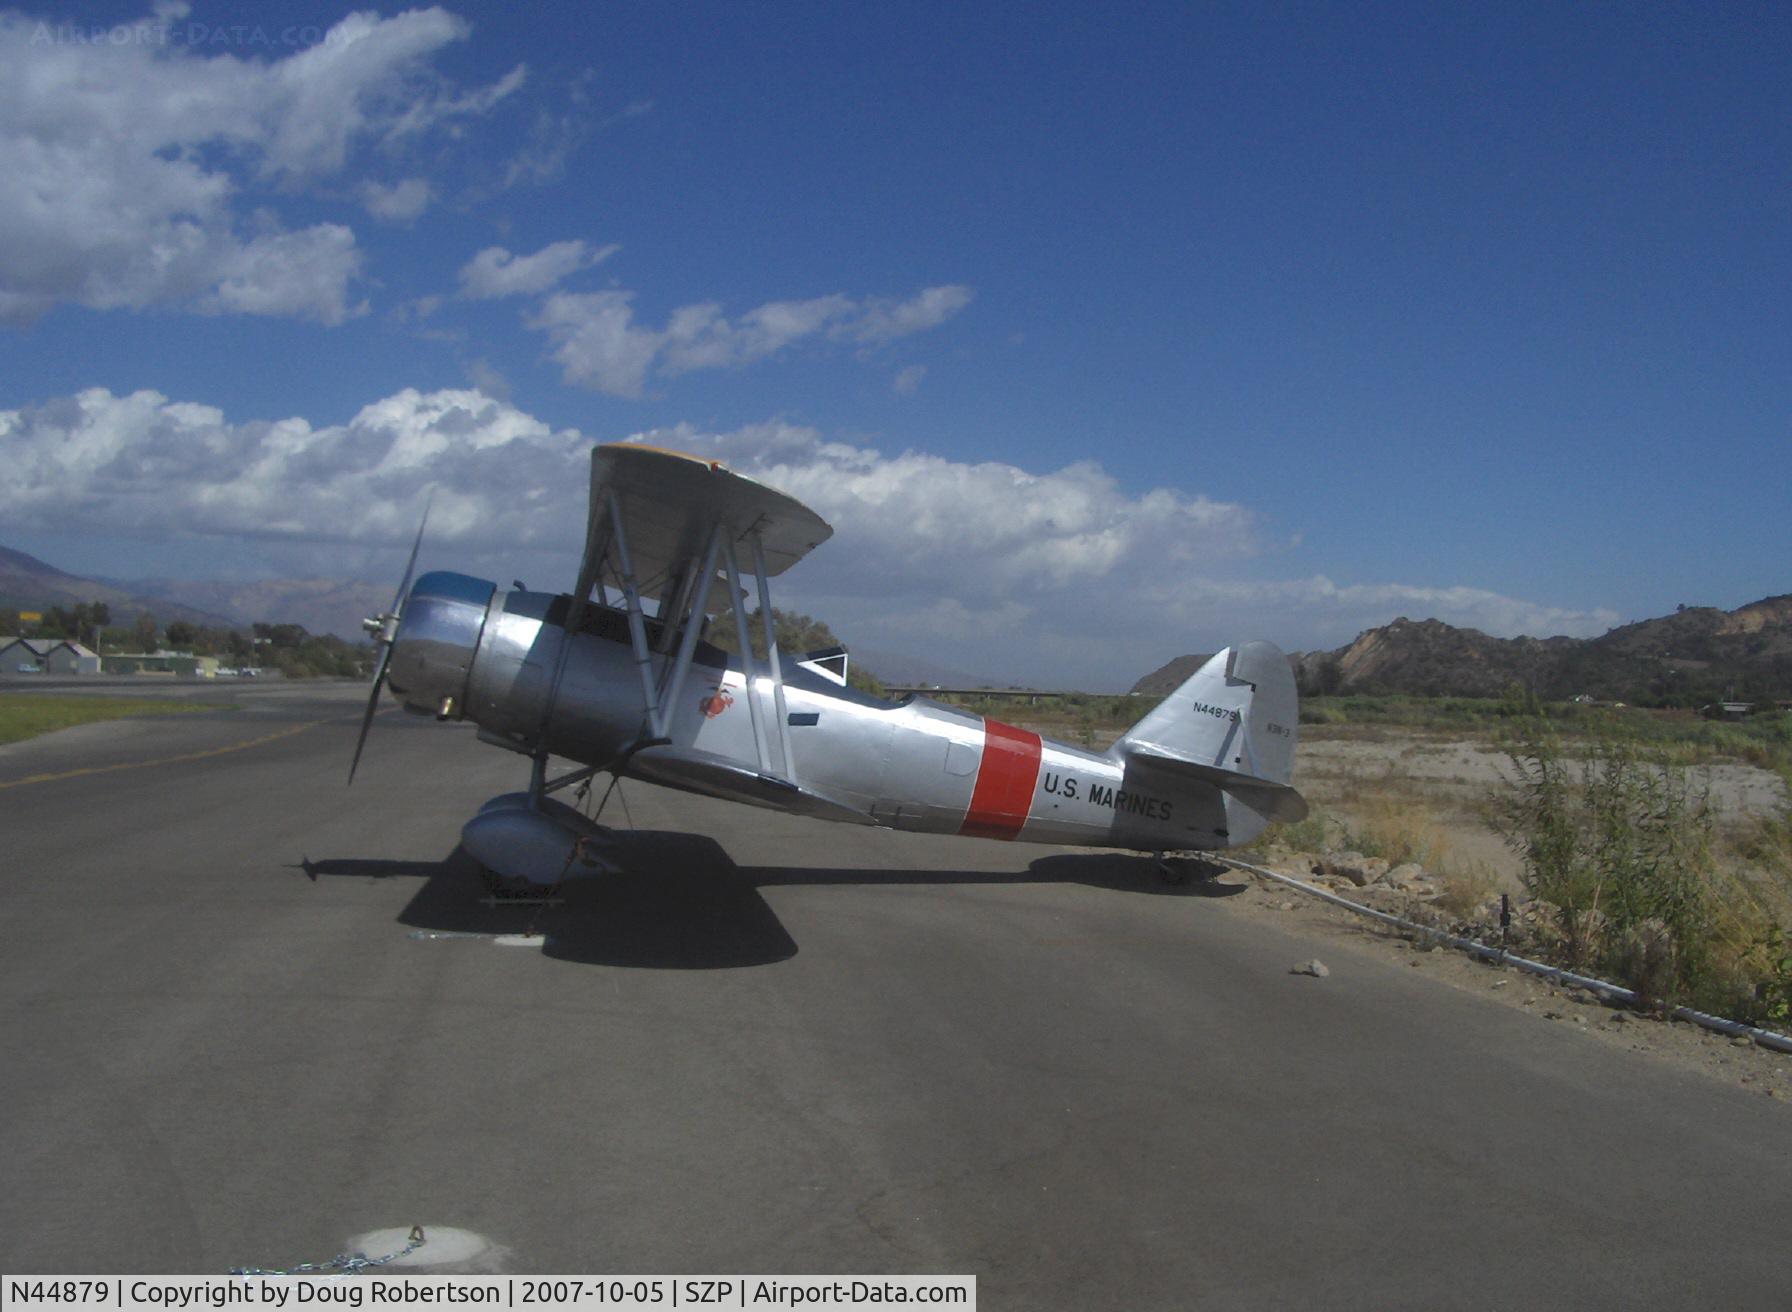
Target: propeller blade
[
  {"x": 389, "y": 630},
  {"x": 411, "y": 565},
  {"x": 373, "y": 705}
]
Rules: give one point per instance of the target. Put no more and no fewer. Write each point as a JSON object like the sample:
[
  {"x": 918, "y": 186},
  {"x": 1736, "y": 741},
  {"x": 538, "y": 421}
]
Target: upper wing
[{"x": 669, "y": 502}]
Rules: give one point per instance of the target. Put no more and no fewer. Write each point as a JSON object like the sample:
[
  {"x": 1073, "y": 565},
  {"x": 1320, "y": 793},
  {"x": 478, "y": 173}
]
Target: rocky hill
[
  {"x": 1433, "y": 659},
  {"x": 1696, "y": 655},
  {"x": 1168, "y": 677}
]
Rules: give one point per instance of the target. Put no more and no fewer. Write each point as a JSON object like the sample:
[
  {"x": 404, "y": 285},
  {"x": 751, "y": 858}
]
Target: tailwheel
[{"x": 1179, "y": 869}]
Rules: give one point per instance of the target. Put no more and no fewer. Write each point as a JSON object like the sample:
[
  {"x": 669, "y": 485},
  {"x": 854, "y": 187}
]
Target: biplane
[{"x": 625, "y": 676}]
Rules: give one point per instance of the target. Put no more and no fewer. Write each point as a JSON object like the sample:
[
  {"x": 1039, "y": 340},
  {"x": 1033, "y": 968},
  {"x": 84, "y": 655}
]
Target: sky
[{"x": 1099, "y": 336}]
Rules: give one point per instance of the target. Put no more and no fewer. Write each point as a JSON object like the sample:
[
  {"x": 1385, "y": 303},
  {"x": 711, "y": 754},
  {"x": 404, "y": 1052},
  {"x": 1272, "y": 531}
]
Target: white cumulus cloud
[
  {"x": 595, "y": 341},
  {"x": 598, "y": 344},
  {"x": 125, "y": 162},
  {"x": 885, "y": 321},
  {"x": 399, "y": 203},
  {"x": 982, "y": 532},
  {"x": 145, "y": 464},
  {"x": 1054, "y": 576},
  {"x": 288, "y": 273},
  {"x": 496, "y": 272},
  {"x": 1330, "y": 614}
]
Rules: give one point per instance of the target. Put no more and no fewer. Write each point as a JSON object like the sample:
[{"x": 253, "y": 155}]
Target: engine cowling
[{"x": 437, "y": 641}]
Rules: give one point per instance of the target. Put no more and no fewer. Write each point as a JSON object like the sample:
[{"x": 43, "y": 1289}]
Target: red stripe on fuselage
[{"x": 1005, "y": 779}]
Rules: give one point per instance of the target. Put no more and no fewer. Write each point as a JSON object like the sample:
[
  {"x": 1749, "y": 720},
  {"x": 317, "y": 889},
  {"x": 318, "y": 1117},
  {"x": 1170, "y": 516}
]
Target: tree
[
  {"x": 181, "y": 635},
  {"x": 795, "y": 635},
  {"x": 144, "y": 631},
  {"x": 78, "y": 624},
  {"x": 287, "y": 637},
  {"x": 1318, "y": 676}
]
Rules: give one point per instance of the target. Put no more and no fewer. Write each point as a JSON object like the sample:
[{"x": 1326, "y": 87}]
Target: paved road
[{"x": 246, "y": 1018}]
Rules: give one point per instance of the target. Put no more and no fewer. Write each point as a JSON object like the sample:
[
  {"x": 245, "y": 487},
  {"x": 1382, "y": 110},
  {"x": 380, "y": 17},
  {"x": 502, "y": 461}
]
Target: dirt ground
[
  {"x": 1733, "y": 1061},
  {"x": 1343, "y": 772},
  {"x": 1452, "y": 780},
  {"x": 1351, "y": 772}
]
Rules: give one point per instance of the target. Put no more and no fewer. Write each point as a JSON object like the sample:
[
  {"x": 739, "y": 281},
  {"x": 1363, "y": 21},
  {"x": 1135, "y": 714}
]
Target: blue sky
[{"x": 1099, "y": 337}]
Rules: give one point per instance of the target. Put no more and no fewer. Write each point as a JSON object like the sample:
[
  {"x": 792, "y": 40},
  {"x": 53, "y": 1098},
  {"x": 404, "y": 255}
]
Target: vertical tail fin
[{"x": 1233, "y": 721}]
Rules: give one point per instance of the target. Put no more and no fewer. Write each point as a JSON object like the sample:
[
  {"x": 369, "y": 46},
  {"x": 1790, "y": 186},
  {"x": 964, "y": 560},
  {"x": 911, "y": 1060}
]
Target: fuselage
[{"x": 503, "y": 660}]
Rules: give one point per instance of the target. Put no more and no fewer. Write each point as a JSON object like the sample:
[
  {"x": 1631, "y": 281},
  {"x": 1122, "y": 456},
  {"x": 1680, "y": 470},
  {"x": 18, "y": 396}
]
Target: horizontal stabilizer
[
  {"x": 1272, "y": 800},
  {"x": 1275, "y": 803},
  {"x": 697, "y": 771},
  {"x": 1176, "y": 763}
]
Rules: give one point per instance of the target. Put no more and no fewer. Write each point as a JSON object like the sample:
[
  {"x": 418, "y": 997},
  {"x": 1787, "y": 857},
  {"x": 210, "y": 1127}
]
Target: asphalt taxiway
[{"x": 249, "y": 1014}]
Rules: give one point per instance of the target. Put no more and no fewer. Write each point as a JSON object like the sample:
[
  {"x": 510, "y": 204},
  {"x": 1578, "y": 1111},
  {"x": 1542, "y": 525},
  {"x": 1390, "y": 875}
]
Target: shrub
[
  {"x": 1307, "y": 835},
  {"x": 1620, "y": 844}
]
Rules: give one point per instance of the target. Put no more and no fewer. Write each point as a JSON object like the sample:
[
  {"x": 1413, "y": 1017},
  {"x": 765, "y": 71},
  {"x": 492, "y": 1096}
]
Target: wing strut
[
  {"x": 692, "y": 619},
  {"x": 748, "y": 666},
  {"x": 637, "y": 626},
  {"x": 673, "y": 605},
  {"x": 591, "y": 566},
  {"x": 686, "y": 521},
  {"x": 771, "y": 656}
]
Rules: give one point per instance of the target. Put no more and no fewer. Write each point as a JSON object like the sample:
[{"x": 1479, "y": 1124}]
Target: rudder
[{"x": 1237, "y": 714}]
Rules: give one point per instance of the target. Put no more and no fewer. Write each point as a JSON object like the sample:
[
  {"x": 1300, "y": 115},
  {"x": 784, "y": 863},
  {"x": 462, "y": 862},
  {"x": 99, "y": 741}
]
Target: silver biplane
[{"x": 618, "y": 676}]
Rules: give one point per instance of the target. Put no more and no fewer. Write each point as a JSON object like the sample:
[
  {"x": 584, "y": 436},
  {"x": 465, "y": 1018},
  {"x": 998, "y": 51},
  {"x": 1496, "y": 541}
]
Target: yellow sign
[{"x": 31, "y": 617}]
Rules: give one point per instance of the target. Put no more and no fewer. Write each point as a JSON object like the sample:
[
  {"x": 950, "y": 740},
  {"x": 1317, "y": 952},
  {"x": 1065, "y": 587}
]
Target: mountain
[
  {"x": 1433, "y": 659},
  {"x": 1698, "y": 654},
  {"x": 1170, "y": 676},
  {"x": 320, "y": 605},
  {"x": 27, "y": 583}
]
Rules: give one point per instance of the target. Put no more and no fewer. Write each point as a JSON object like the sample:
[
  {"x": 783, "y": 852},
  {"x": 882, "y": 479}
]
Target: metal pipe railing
[{"x": 1766, "y": 1038}]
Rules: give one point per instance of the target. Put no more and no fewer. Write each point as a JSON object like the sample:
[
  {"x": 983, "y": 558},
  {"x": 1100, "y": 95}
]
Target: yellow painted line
[{"x": 165, "y": 760}]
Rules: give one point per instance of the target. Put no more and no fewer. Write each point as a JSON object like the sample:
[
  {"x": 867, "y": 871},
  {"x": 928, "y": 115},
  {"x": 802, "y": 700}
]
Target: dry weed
[
  {"x": 1400, "y": 830},
  {"x": 1465, "y": 892}
]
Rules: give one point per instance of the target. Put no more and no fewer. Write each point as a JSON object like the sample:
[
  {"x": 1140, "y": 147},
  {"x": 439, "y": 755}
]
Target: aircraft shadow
[
  {"x": 678, "y": 903},
  {"x": 1112, "y": 870},
  {"x": 681, "y": 903}
]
